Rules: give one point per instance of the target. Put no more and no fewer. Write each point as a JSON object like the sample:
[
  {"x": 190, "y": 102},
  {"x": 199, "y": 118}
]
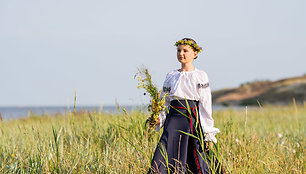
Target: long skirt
[{"x": 177, "y": 150}]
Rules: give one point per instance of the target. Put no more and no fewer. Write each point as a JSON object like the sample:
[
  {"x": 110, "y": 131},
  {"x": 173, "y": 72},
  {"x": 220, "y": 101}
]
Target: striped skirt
[{"x": 178, "y": 151}]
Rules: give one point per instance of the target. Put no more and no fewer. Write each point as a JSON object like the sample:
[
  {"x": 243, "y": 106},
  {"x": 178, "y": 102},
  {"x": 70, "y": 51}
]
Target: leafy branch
[{"x": 157, "y": 103}]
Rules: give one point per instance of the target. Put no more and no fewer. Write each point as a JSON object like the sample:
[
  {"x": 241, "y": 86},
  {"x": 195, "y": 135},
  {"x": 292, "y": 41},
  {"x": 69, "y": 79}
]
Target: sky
[{"x": 49, "y": 49}]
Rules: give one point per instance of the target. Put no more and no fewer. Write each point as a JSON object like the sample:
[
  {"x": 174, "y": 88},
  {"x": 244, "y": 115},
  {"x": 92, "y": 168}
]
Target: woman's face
[{"x": 185, "y": 54}]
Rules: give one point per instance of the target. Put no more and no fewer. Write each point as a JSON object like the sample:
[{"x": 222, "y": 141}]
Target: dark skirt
[{"x": 177, "y": 150}]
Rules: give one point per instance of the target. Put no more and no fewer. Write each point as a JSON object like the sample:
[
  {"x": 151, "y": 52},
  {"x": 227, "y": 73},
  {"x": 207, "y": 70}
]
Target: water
[{"x": 15, "y": 112}]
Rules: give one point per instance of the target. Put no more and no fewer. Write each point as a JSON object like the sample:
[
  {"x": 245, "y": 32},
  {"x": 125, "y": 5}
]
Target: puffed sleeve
[
  {"x": 205, "y": 110},
  {"x": 163, "y": 114}
]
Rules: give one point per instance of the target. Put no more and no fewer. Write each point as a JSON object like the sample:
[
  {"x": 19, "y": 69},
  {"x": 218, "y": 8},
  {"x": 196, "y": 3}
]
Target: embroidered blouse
[{"x": 192, "y": 85}]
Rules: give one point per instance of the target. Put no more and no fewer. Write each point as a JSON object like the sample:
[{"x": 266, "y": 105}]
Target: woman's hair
[
  {"x": 192, "y": 43},
  {"x": 189, "y": 39}
]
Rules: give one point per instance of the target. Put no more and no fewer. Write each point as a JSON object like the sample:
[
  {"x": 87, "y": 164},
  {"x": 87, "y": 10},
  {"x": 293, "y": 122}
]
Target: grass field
[{"x": 269, "y": 139}]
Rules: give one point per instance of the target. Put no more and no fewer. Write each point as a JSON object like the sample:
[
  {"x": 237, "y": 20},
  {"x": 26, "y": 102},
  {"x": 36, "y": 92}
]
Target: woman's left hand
[{"x": 208, "y": 145}]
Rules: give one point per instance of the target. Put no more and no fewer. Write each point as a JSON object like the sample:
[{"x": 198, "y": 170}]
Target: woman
[{"x": 189, "y": 106}]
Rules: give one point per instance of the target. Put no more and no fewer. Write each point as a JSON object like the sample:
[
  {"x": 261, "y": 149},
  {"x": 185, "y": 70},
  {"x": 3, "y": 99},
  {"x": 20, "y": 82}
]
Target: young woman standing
[{"x": 190, "y": 112}]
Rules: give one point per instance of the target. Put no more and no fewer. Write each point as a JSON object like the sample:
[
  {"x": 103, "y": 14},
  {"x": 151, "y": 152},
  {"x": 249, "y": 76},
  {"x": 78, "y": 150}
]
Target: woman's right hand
[
  {"x": 157, "y": 121},
  {"x": 152, "y": 123}
]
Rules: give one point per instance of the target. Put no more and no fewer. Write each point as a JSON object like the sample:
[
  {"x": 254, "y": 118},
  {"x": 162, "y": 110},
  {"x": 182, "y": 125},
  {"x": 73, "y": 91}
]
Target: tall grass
[{"x": 265, "y": 140}]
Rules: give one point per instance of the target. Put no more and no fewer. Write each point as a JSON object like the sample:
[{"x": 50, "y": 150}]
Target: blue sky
[{"x": 50, "y": 48}]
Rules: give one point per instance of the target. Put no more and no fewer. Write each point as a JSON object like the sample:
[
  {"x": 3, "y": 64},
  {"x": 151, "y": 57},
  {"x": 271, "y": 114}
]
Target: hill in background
[{"x": 265, "y": 92}]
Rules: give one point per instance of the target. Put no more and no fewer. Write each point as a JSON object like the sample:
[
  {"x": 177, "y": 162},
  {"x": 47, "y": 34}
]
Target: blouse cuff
[
  {"x": 210, "y": 136},
  {"x": 162, "y": 118}
]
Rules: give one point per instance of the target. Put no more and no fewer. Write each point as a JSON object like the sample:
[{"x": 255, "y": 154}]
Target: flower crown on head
[{"x": 193, "y": 45}]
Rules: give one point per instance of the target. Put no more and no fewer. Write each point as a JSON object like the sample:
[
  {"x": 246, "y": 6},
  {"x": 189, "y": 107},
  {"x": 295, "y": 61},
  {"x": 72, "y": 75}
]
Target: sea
[{"x": 15, "y": 112}]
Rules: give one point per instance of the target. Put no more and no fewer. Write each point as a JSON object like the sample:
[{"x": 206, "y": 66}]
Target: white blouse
[{"x": 192, "y": 85}]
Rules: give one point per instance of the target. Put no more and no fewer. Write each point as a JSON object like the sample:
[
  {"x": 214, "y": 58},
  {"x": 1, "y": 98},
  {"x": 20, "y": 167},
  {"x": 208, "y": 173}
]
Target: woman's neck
[{"x": 187, "y": 67}]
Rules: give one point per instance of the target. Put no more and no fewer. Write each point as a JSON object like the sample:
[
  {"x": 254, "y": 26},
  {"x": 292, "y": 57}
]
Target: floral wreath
[{"x": 194, "y": 46}]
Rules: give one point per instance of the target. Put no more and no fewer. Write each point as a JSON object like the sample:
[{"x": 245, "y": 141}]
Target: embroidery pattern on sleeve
[
  {"x": 200, "y": 85},
  {"x": 166, "y": 89}
]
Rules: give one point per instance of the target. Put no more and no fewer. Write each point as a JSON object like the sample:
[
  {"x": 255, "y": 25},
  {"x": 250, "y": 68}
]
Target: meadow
[{"x": 267, "y": 139}]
